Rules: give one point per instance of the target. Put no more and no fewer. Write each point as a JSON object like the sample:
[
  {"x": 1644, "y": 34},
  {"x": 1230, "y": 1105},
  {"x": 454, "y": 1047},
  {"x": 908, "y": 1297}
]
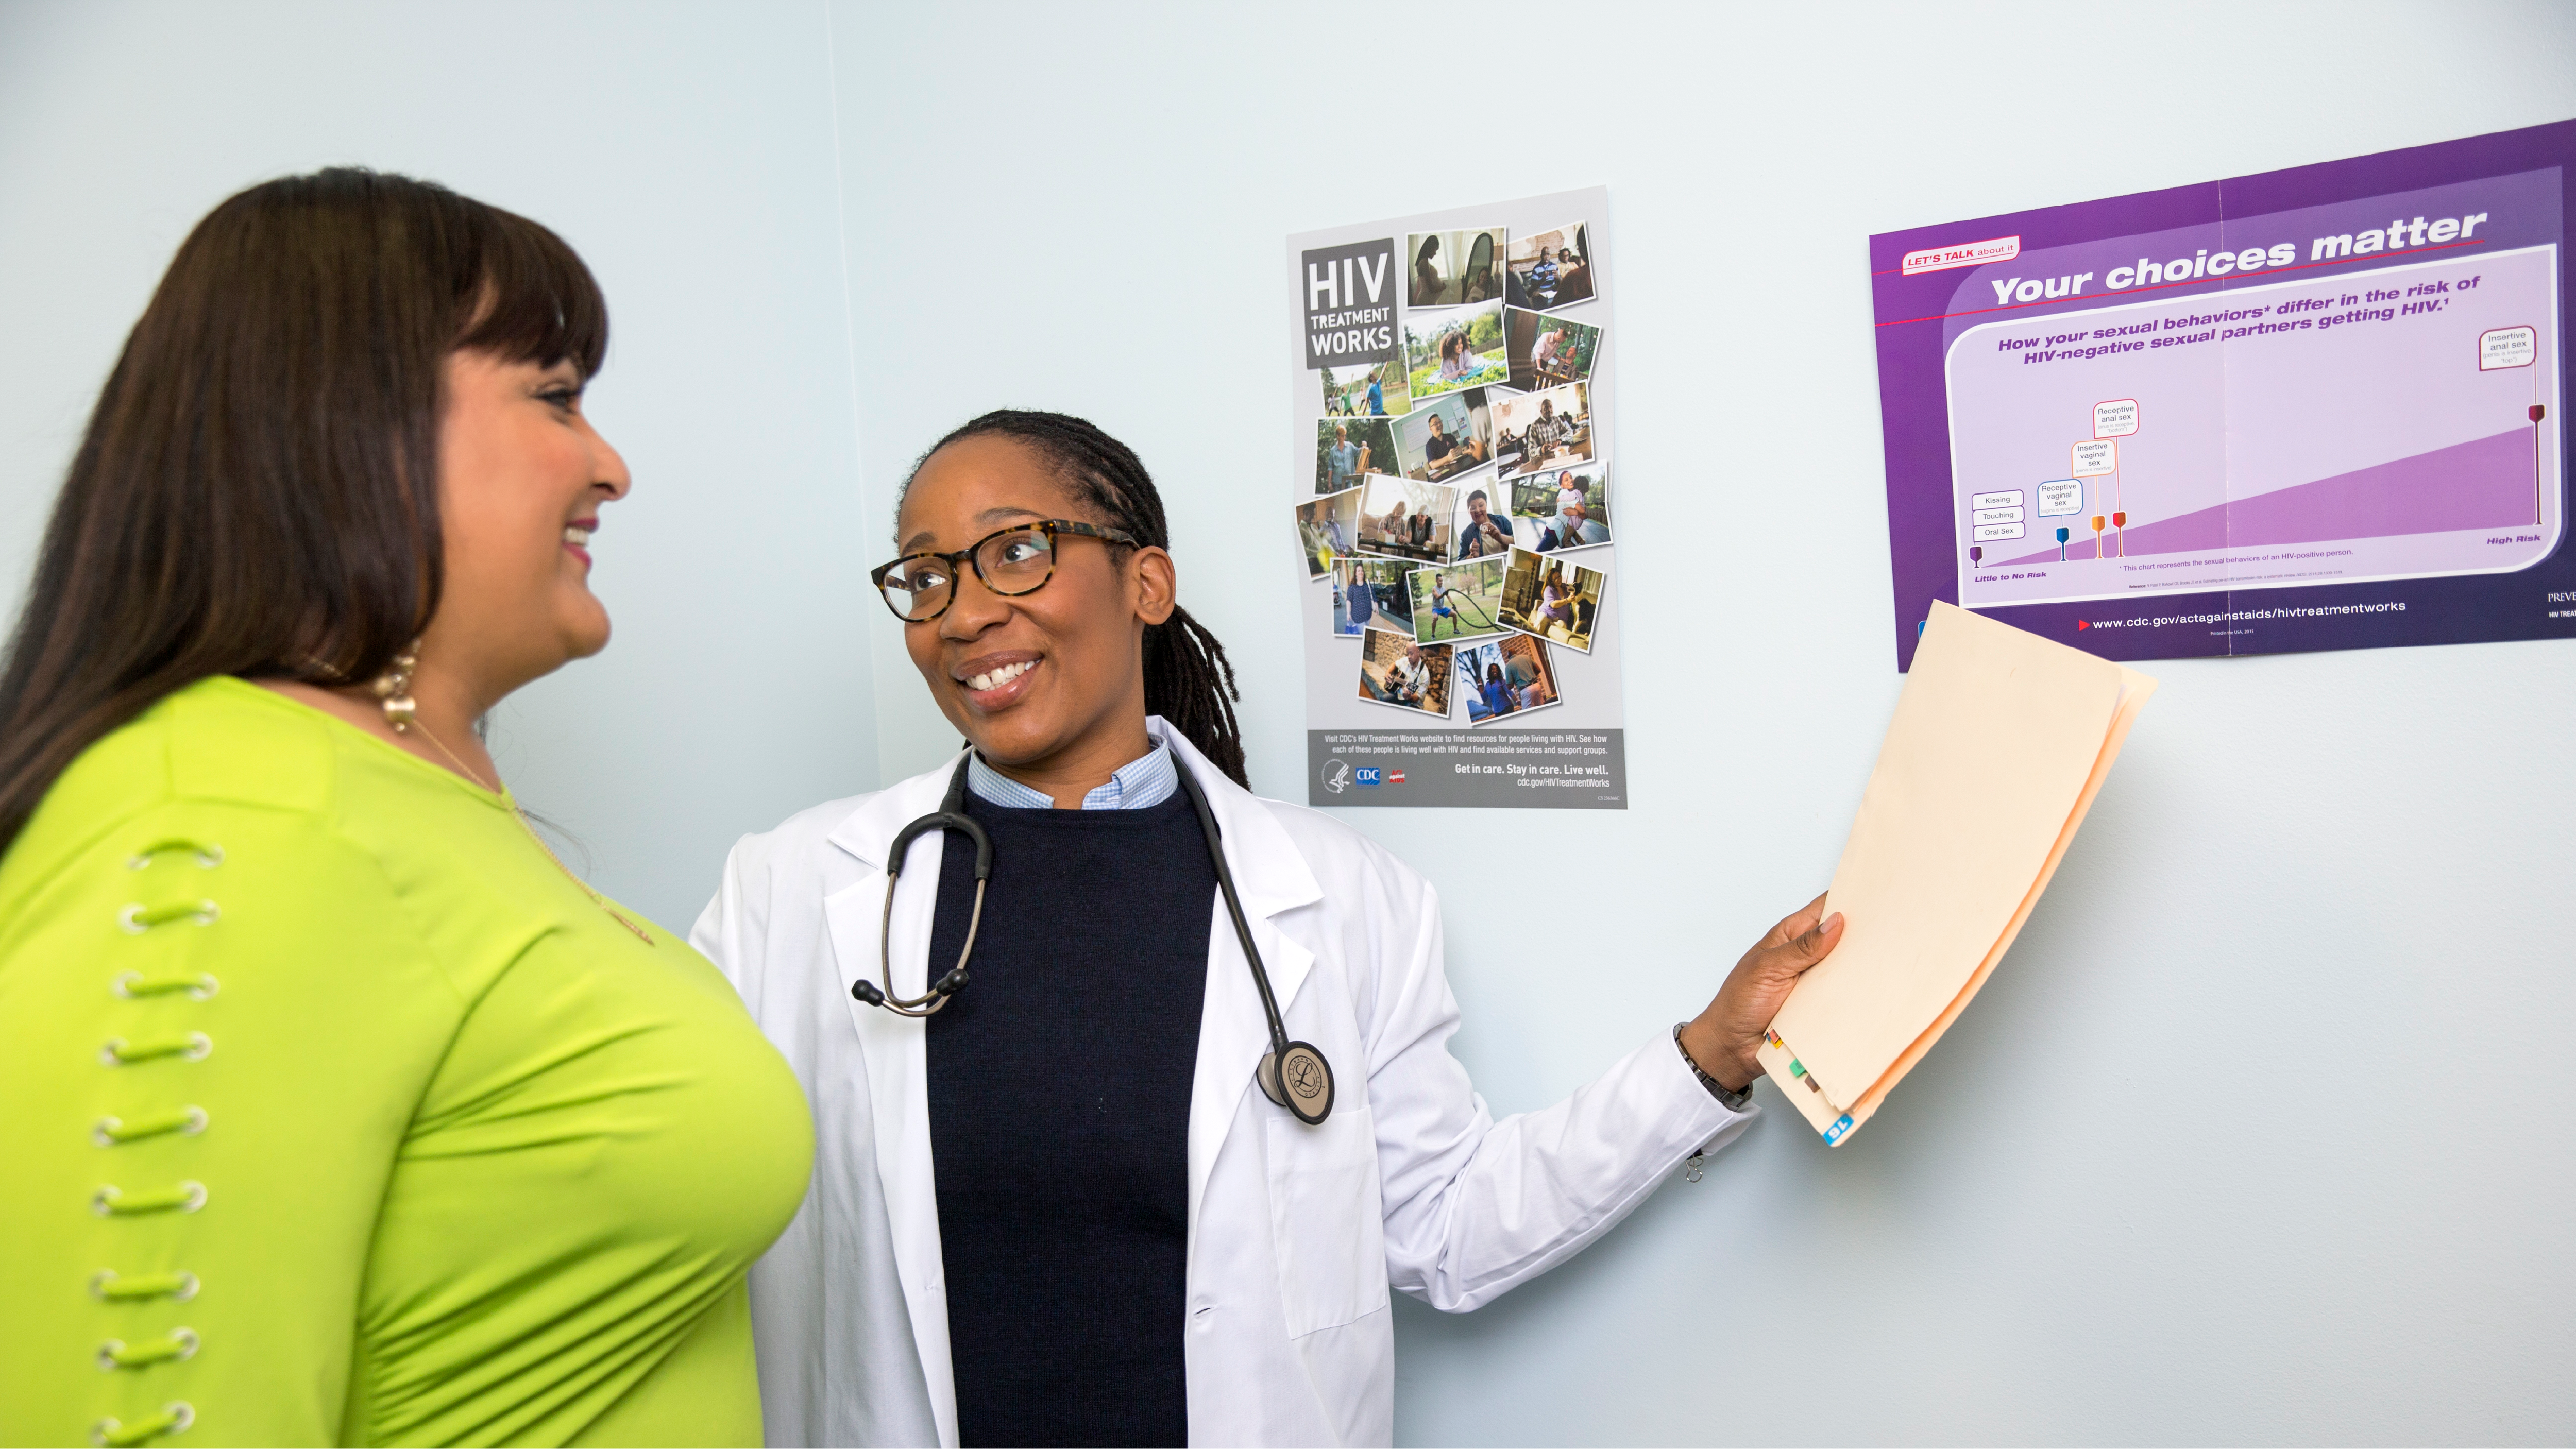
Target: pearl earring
[{"x": 393, "y": 687}]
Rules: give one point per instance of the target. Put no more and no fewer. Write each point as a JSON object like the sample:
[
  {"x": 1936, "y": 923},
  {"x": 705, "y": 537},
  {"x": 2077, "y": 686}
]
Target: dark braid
[{"x": 1188, "y": 680}]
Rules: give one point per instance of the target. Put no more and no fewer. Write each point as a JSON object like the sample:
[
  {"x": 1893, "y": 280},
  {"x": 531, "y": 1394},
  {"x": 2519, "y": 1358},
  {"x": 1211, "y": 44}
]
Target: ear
[{"x": 1153, "y": 585}]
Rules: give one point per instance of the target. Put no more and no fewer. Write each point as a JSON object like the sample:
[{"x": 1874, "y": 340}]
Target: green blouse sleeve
[{"x": 215, "y": 1024}]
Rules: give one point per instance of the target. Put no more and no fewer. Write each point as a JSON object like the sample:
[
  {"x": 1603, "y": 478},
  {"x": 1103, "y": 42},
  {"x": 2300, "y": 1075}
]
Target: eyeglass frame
[{"x": 964, "y": 559}]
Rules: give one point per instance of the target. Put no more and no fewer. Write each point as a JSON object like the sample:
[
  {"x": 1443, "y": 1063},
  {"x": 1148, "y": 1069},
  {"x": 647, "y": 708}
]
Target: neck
[
  {"x": 1085, "y": 764},
  {"x": 445, "y": 717}
]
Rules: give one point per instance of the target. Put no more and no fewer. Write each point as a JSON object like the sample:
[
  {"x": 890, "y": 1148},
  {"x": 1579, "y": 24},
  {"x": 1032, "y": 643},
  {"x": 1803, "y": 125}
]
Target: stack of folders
[{"x": 2000, "y": 741}]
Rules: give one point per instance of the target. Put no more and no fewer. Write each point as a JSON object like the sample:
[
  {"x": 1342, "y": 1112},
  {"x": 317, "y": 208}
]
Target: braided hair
[{"x": 1188, "y": 680}]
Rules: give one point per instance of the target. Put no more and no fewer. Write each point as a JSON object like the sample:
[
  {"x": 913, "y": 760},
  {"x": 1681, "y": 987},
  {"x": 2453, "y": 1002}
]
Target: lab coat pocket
[{"x": 1327, "y": 1221}]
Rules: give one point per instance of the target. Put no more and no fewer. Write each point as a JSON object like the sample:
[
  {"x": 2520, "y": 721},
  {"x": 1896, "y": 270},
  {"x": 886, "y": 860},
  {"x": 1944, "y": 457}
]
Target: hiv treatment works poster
[
  {"x": 1450, "y": 478},
  {"x": 2319, "y": 408}
]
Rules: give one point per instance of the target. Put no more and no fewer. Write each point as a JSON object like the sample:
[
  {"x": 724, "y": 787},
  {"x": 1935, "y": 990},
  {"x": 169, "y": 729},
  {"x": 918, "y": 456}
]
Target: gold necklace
[{"x": 521, "y": 816}]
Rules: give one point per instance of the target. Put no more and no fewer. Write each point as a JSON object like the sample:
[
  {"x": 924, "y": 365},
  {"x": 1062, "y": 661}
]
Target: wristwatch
[{"x": 1732, "y": 1101}]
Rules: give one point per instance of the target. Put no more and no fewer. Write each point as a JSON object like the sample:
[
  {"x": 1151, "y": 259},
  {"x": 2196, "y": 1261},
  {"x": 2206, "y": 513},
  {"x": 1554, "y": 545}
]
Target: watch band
[{"x": 1732, "y": 1101}]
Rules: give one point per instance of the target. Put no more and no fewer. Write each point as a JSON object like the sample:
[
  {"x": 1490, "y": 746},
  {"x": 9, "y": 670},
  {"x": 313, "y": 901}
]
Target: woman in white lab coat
[{"x": 1058, "y": 1207}]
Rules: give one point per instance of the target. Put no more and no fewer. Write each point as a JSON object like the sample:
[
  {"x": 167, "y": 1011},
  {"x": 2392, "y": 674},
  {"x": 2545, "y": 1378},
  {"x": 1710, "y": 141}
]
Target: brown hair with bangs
[{"x": 256, "y": 493}]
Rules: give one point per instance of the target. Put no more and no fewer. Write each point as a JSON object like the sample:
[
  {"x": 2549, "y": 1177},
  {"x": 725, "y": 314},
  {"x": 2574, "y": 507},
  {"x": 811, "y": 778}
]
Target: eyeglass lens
[{"x": 1014, "y": 562}]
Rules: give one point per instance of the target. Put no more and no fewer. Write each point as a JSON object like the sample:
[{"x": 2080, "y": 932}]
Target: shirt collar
[{"x": 1143, "y": 782}]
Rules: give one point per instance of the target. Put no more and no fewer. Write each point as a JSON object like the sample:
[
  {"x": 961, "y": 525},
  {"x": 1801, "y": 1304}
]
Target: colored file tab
[{"x": 2001, "y": 740}]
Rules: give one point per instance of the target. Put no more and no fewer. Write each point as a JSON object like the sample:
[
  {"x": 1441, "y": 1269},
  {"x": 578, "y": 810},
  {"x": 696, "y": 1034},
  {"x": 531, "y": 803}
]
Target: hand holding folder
[{"x": 2000, "y": 741}]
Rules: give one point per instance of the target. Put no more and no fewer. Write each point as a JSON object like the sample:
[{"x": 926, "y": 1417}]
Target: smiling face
[
  {"x": 521, "y": 478},
  {"x": 1047, "y": 679}
]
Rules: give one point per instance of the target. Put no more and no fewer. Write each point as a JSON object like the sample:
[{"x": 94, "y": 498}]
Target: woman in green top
[{"x": 337, "y": 1111}]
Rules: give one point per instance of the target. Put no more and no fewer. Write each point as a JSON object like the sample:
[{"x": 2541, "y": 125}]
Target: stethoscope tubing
[
  {"x": 1273, "y": 1074},
  {"x": 1293, "y": 1069},
  {"x": 1234, "y": 906}
]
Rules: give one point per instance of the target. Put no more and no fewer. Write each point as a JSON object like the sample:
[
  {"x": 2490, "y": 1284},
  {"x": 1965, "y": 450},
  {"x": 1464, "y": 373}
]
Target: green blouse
[{"x": 333, "y": 1111}]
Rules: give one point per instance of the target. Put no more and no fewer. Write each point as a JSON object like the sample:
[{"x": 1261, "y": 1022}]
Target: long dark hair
[
  {"x": 1188, "y": 679},
  {"x": 257, "y": 490}
]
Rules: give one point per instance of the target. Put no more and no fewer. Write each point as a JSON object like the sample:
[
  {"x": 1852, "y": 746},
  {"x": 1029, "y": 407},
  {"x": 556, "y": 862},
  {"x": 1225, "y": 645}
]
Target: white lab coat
[{"x": 1296, "y": 1232}]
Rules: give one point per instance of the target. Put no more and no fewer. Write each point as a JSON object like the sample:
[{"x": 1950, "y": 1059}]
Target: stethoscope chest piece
[{"x": 1298, "y": 1079}]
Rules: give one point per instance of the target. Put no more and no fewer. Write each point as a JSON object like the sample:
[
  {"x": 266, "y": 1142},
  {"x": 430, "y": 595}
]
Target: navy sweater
[{"x": 1059, "y": 1120}]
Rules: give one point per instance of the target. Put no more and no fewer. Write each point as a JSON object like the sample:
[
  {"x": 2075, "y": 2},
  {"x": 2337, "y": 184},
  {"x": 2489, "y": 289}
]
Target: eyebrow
[{"x": 922, "y": 539}]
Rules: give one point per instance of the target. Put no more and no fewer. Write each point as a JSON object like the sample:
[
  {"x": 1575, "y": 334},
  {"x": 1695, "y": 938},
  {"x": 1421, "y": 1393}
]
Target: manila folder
[{"x": 2000, "y": 741}]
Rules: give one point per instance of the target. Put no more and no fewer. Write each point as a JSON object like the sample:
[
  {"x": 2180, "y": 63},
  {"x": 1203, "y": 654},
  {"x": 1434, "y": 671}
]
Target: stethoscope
[{"x": 1293, "y": 1073}]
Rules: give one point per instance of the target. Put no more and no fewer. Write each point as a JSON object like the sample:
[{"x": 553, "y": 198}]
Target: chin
[
  {"x": 587, "y": 635},
  {"x": 1008, "y": 739}
]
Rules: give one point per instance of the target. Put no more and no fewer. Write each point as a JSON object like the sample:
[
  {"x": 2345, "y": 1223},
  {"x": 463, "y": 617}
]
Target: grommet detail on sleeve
[
  {"x": 177, "y": 1346},
  {"x": 138, "y": 918},
  {"x": 134, "y": 985},
  {"x": 174, "y": 1418},
  {"x": 110, "y": 1286},
  {"x": 209, "y": 855},
  {"x": 116, "y": 1202},
  {"x": 110, "y": 1131},
  {"x": 195, "y": 1046}
]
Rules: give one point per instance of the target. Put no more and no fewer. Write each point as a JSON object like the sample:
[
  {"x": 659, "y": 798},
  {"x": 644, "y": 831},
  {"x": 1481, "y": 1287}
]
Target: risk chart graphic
[{"x": 2391, "y": 423}]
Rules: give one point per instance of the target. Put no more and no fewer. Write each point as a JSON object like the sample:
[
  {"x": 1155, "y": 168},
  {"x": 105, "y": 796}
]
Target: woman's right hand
[{"x": 1724, "y": 1038}]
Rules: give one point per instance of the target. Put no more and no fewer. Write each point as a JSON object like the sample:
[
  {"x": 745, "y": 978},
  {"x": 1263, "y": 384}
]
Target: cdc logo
[{"x": 1369, "y": 778}]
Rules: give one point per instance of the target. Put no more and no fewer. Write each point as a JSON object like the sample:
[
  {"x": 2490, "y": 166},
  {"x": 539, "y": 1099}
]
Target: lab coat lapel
[
  {"x": 1272, "y": 878},
  {"x": 896, "y": 1054}
]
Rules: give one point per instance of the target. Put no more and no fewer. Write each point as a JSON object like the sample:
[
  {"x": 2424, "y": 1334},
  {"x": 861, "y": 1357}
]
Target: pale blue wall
[
  {"x": 2205, "y": 1162},
  {"x": 687, "y": 152},
  {"x": 2256, "y": 1134}
]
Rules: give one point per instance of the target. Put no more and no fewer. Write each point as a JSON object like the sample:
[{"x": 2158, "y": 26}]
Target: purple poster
[{"x": 2311, "y": 409}]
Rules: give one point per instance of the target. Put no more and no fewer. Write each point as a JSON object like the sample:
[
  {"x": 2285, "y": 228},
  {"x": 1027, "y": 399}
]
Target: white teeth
[
  {"x": 577, "y": 536},
  {"x": 995, "y": 679}
]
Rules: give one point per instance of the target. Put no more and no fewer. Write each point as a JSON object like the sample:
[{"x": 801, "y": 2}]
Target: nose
[
  {"x": 609, "y": 468},
  {"x": 973, "y": 607}
]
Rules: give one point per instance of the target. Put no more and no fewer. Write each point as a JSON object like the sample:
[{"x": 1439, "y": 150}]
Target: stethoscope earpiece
[{"x": 1293, "y": 1074}]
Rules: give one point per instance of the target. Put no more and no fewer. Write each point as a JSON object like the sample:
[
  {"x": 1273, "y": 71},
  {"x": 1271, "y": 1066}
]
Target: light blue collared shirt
[{"x": 1145, "y": 781}]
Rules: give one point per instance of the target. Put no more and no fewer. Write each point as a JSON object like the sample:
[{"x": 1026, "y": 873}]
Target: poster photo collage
[{"x": 1461, "y": 506}]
